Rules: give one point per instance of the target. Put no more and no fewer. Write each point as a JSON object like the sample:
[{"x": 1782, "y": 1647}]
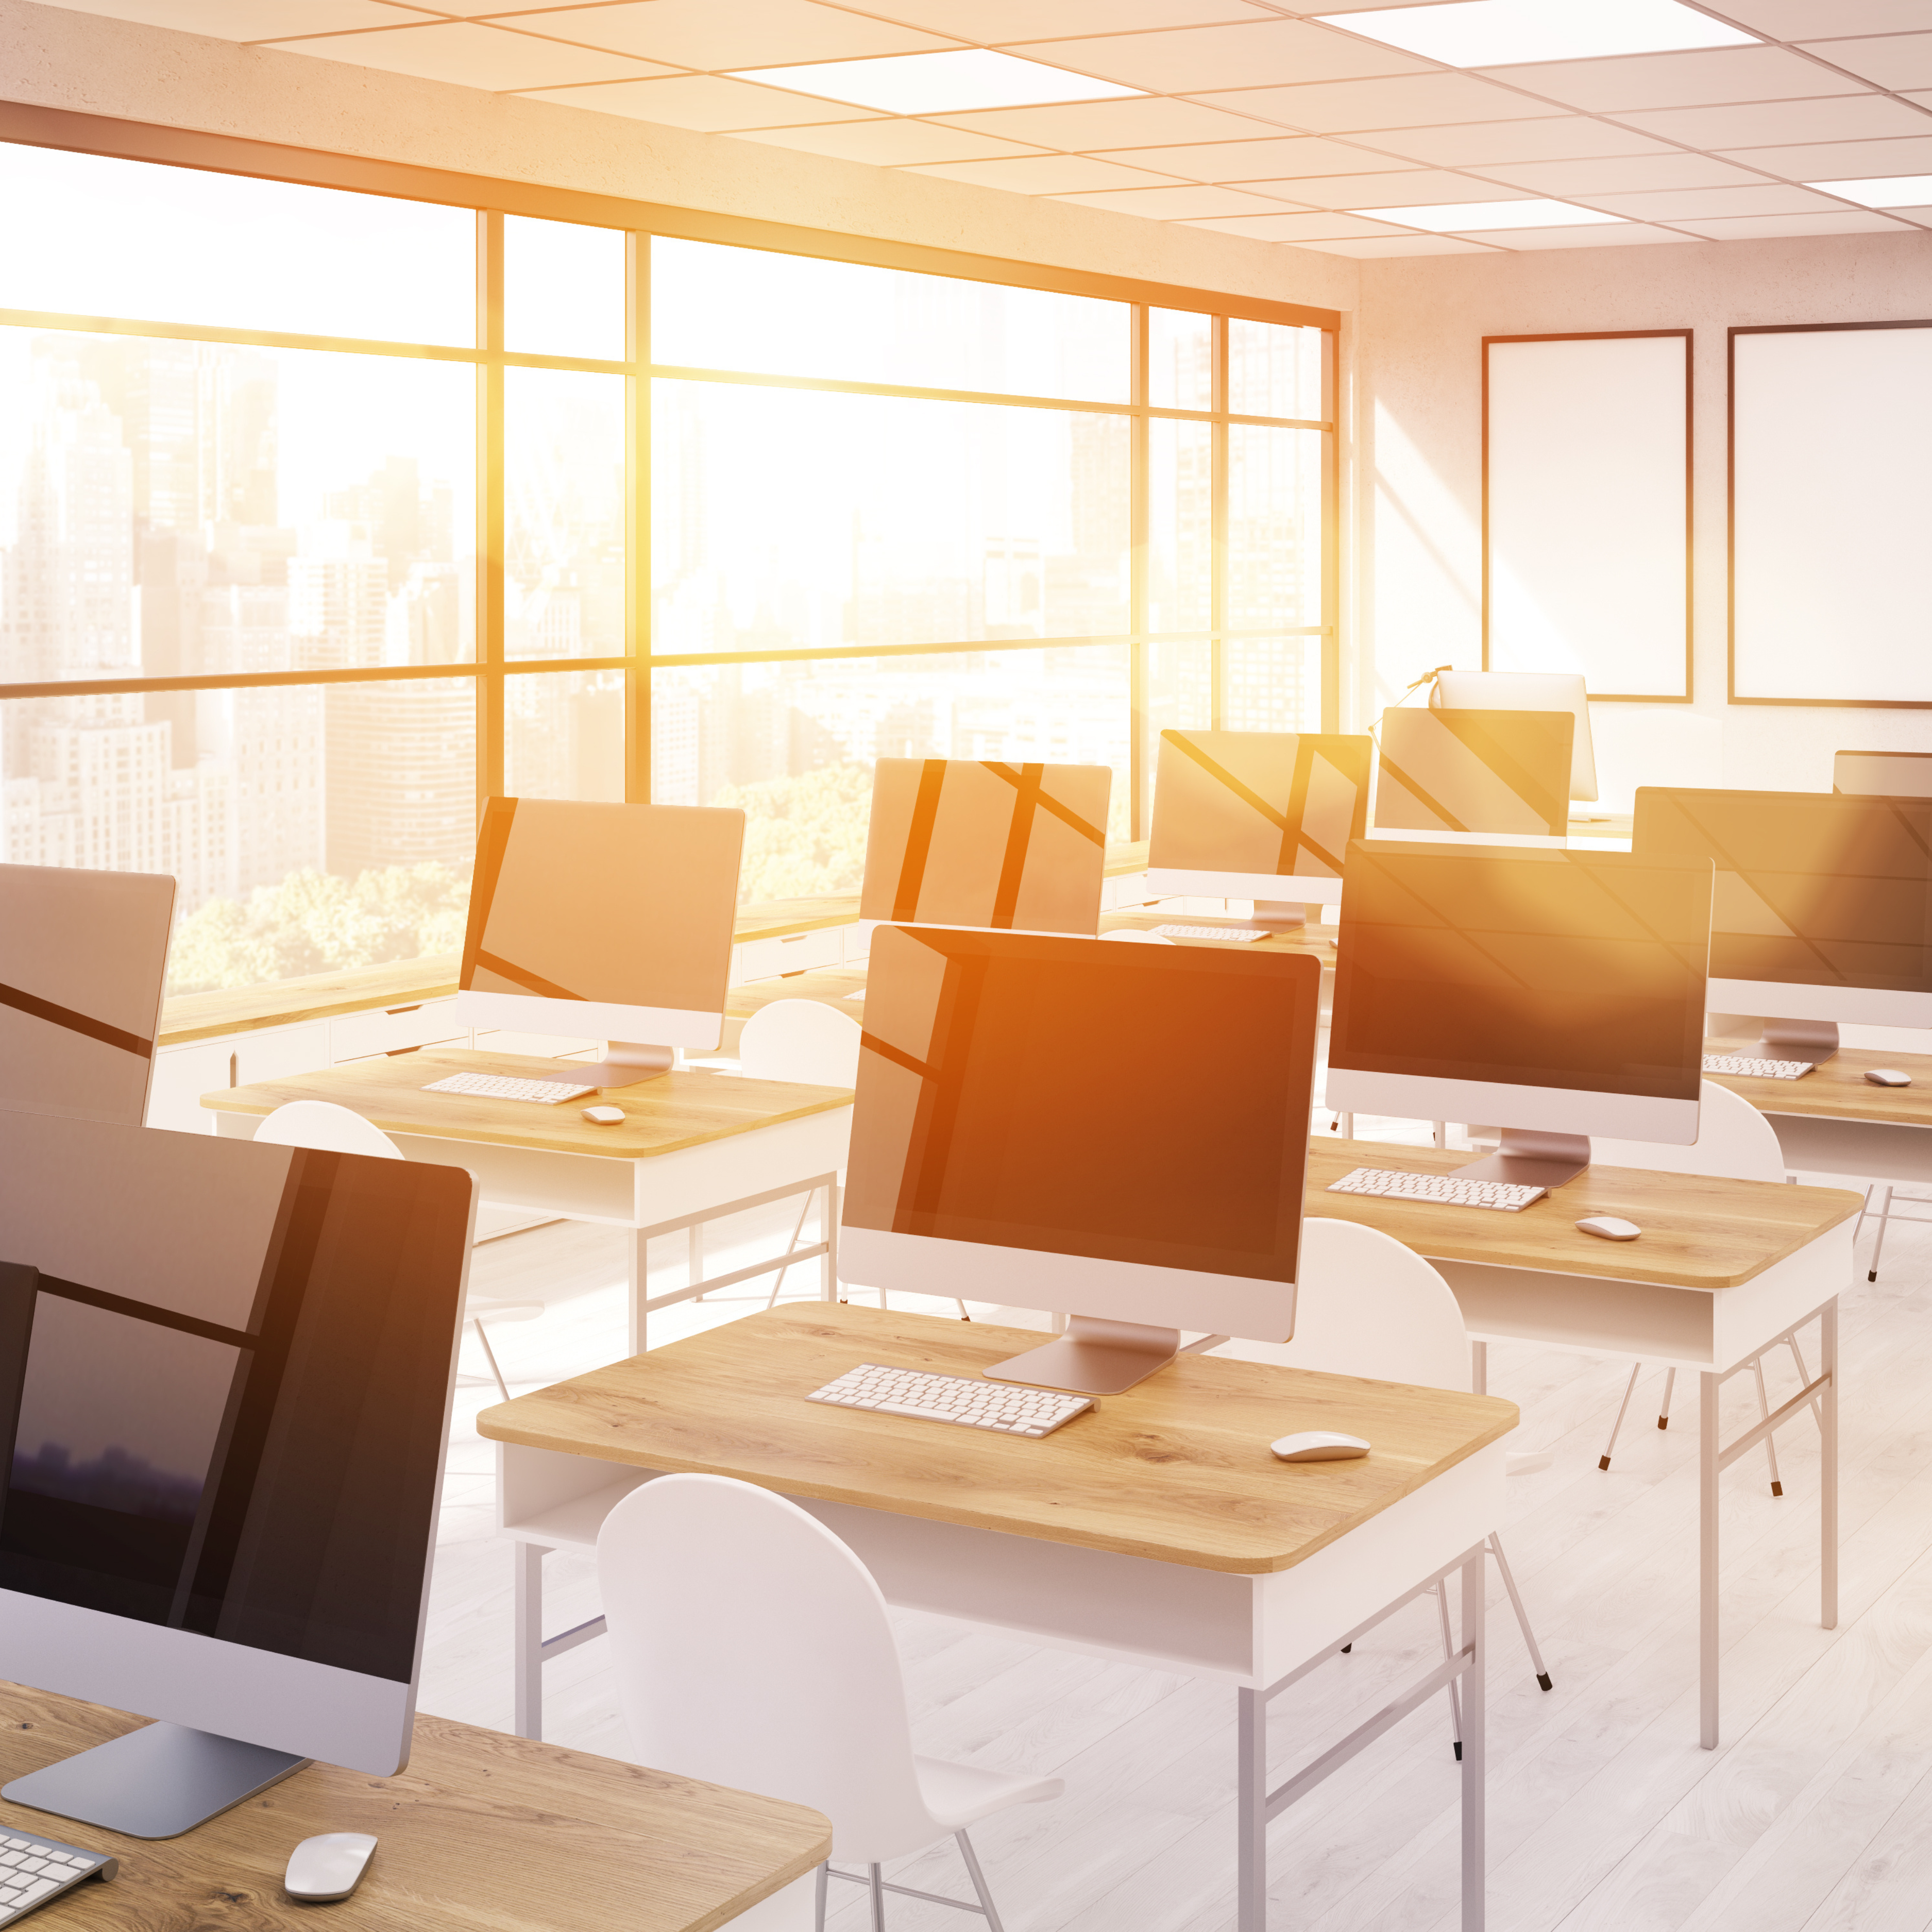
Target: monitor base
[
  {"x": 1277, "y": 915},
  {"x": 1093, "y": 1358},
  {"x": 1532, "y": 1158},
  {"x": 155, "y": 1783},
  {"x": 1815, "y": 1040},
  {"x": 626, "y": 1062}
]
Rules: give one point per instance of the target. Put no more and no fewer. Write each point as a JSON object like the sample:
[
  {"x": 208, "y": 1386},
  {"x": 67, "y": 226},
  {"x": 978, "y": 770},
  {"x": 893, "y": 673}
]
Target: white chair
[
  {"x": 753, "y": 1649},
  {"x": 1887, "y": 1211},
  {"x": 1365, "y": 1305},
  {"x": 1734, "y": 1142},
  {"x": 323, "y": 1126}
]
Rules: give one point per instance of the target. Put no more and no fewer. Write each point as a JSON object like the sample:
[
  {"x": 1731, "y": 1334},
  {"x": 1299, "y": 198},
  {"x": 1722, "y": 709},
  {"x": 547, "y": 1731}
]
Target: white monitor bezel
[
  {"x": 1851, "y": 1006},
  {"x": 1267, "y": 888},
  {"x": 1557, "y": 1110},
  {"x": 530, "y": 1012}
]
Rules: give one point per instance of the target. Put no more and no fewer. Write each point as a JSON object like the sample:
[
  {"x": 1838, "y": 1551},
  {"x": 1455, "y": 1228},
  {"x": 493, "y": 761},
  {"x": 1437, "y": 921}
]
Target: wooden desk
[
  {"x": 1724, "y": 1270},
  {"x": 1158, "y": 1528},
  {"x": 481, "y": 1830},
  {"x": 693, "y": 1146}
]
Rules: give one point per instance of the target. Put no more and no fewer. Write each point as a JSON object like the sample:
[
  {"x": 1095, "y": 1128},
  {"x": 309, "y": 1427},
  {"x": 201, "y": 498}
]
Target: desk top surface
[
  {"x": 1177, "y": 1470},
  {"x": 1317, "y": 940},
  {"x": 676, "y": 1110},
  {"x": 481, "y": 1830},
  {"x": 1836, "y": 1088},
  {"x": 1698, "y": 1232}
]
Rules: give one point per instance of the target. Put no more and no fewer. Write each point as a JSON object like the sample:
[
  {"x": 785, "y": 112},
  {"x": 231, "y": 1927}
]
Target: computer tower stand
[
  {"x": 1094, "y": 1357},
  {"x": 1279, "y": 915},
  {"x": 1532, "y": 1158},
  {"x": 1814, "y": 1040},
  {"x": 626, "y": 1062}
]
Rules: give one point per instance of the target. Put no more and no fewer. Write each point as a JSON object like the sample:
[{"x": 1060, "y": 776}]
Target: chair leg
[
  {"x": 1878, "y": 1246},
  {"x": 979, "y": 1879},
  {"x": 805, "y": 1208},
  {"x": 1448, "y": 1651},
  {"x": 1522, "y": 1615},
  {"x": 1663, "y": 1407},
  {"x": 1803, "y": 1377},
  {"x": 818, "y": 1897},
  {"x": 1764, "y": 1410},
  {"x": 878, "y": 1898},
  {"x": 1604, "y": 1461},
  {"x": 963, "y": 1315},
  {"x": 502, "y": 1385},
  {"x": 1859, "y": 1226}
]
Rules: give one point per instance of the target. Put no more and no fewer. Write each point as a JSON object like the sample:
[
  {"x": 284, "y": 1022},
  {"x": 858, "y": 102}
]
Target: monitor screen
[
  {"x": 1813, "y": 889},
  {"x": 1279, "y": 803},
  {"x": 1582, "y": 971},
  {"x": 1483, "y": 772},
  {"x": 1076, "y": 1099}
]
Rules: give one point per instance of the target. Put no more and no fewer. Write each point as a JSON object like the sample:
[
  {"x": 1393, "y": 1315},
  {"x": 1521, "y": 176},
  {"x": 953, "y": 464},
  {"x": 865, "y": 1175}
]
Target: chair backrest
[
  {"x": 754, "y": 1649},
  {"x": 1734, "y": 1140},
  {"x": 801, "y": 1039},
  {"x": 322, "y": 1125}
]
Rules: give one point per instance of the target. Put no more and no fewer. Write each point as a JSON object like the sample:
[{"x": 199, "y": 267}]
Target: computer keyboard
[
  {"x": 999, "y": 1406},
  {"x": 502, "y": 1087},
  {"x": 33, "y": 1870},
  {"x": 1756, "y": 1070},
  {"x": 1237, "y": 934},
  {"x": 1451, "y": 1190}
]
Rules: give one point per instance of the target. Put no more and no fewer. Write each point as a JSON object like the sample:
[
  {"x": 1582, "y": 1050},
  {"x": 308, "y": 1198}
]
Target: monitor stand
[
  {"x": 1814, "y": 1040},
  {"x": 1277, "y": 915},
  {"x": 155, "y": 1783},
  {"x": 1093, "y": 1358},
  {"x": 626, "y": 1062},
  {"x": 1532, "y": 1158}
]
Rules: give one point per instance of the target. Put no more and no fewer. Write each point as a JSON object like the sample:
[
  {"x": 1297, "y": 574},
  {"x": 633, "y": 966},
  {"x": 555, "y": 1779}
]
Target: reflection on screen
[
  {"x": 1580, "y": 970},
  {"x": 1079, "y": 1098},
  {"x": 1813, "y": 890},
  {"x": 1279, "y": 802}
]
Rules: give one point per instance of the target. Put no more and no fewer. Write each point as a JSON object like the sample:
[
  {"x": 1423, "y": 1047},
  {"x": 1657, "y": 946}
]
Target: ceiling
[{"x": 1253, "y": 120}]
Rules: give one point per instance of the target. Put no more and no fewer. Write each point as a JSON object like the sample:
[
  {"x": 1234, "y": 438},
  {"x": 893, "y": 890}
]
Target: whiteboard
[
  {"x": 1831, "y": 515},
  {"x": 1587, "y": 510}
]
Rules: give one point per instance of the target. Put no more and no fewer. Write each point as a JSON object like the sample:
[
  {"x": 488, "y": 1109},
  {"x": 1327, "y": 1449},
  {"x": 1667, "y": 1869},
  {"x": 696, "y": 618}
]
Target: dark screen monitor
[{"x": 1496, "y": 775}]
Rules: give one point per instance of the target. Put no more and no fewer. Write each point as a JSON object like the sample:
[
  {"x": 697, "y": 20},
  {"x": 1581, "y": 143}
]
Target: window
[{"x": 324, "y": 514}]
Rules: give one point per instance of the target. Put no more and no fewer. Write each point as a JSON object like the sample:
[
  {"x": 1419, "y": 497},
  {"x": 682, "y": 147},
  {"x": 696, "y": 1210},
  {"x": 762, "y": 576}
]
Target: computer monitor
[
  {"x": 225, "y": 1379},
  {"x": 83, "y": 957},
  {"x": 1823, "y": 909},
  {"x": 955, "y": 841},
  {"x": 1528, "y": 691},
  {"x": 1258, "y": 815},
  {"x": 1882, "y": 774},
  {"x": 1560, "y": 993},
  {"x": 1063, "y": 1125},
  {"x": 611, "y": 919},
  {"x": 1492, "y": 774}
]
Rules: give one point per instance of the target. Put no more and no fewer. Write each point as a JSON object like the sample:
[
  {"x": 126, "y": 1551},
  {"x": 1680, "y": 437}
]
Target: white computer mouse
[
  {"x": 604, "y": 1116},
  {"x": 330, "y": 1866},
  {"x": 1887, "y": 1076},
  {"x": 1319, "y": 1445},
  {"x": 1607, "y": 1227}
]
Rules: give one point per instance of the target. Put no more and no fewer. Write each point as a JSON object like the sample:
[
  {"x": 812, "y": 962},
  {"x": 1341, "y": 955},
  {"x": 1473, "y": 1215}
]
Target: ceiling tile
[
  {"x": 728, "y": 33},
  {"x": 1892, "y": 60},
  {"x": 248, "y": 19},
  {"x": 1404, "y": 101},
  {"x": 1841, "y": 160},
  {"x": 1253, "y": 160},
  {"x": 1188, "y": 202},
  {"x": 708, "y": 102},
  {"x": 1635, "y": 235},
  {"x": 1395, "y": 190},
  {"x": 995, "y": 23},
  {"x": 1921, "y": 217},
  {"x": 1047, "y": 174},
  {"x": 1680, "y": 79},
  {"x": 1273, "y": 52},
  {"x": 1923, "y": 99},
  {"x": 1856, "y": 117},
  {"x": 1628, "y": 175},
  {"x": 1755, "y": 227},
  {"x": 471, "y": 55},
  {"x": 1701, "y": 203},
  {"x": 1375, "y": 247},
  {"x": 1088, "y": 124},
  {"x": 1316, "y": 227},
  {"x": 1812, "y": 20},
  {"x": 1485, "y": 143},
  {"x": 887, "y": 144}
]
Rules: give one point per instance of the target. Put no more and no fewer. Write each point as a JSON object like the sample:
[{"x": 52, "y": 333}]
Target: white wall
[{"x": 1419, "y": 329}]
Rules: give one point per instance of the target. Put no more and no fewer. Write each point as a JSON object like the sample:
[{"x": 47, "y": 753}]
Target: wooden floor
[{"x": 1816, "y": 1813}]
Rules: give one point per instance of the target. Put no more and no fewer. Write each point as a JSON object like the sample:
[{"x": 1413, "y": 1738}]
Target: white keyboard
[
  {"x": 1756, "y": 1070},
  {"x": 1236, "y": 934},
  {"x": 502, "y": 1087},
  {"x": 999, "y": 1406},
  {"x": 1452, "y": 1190},
  {"x": 33, "y": 1870}
]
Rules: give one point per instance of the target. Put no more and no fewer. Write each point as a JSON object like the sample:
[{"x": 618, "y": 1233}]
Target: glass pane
[
  {"x": 188, "y": 507},
  {"x": 563, "y": 289},
  {"x": 1273, "y": 684},
  {"x": 563, "y": 735},
  {"x": 87, "y": 236},
  {"x": 792, "y": 745},
  {"x": 1180, "y": 697},
  {"x": 714, "y": 308},
  {"x": 1274, "y": 371},
  {"x": 1180, "y": 359},
  {"x": 563, "y": 514},
  {"x": 1180, "y": 524},
  {"x": 1274, "y": 527},
  {"x": 793, "y": 521}
]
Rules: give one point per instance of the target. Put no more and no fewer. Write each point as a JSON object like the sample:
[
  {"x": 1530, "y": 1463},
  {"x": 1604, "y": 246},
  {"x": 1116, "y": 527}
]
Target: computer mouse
[
  {"x": 1608, "y": 1227},
  {"x": 1319, "y": 1445},
  {"x": 329, "y": 1866},
  {"x": 1887, "y": 1076},
  {"x": 604, "y": 1116}
]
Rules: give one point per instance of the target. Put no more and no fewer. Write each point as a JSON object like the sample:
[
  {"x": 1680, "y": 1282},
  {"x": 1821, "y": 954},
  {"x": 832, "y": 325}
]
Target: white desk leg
[
  {"x": 1828, "y": 1468},
  {"x": 828, "y": 1262},
  {"x": 1475, "y": 1626},
  {"x": 528, "y": 1641},
  {"x": 694, "y": 1271},
  {"x": 1707, "y": 1560},
  {"x": 638, "y": 1264},
  {"x": 1479, "y": 1368},
  {"x": 1251, "y": 1811}
]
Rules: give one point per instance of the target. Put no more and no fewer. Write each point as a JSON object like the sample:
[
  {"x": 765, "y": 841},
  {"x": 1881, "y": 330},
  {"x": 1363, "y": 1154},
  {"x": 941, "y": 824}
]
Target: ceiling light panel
[
  {"x": 1203, "y": 57},
  {"x": 1682, "y": 80},
  {"x": 1496, "y": 33},
  {"x": 1891, "y": 191},
  {"x": 941, "y": 83},
  {"x": 1458, "y": 217}
]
